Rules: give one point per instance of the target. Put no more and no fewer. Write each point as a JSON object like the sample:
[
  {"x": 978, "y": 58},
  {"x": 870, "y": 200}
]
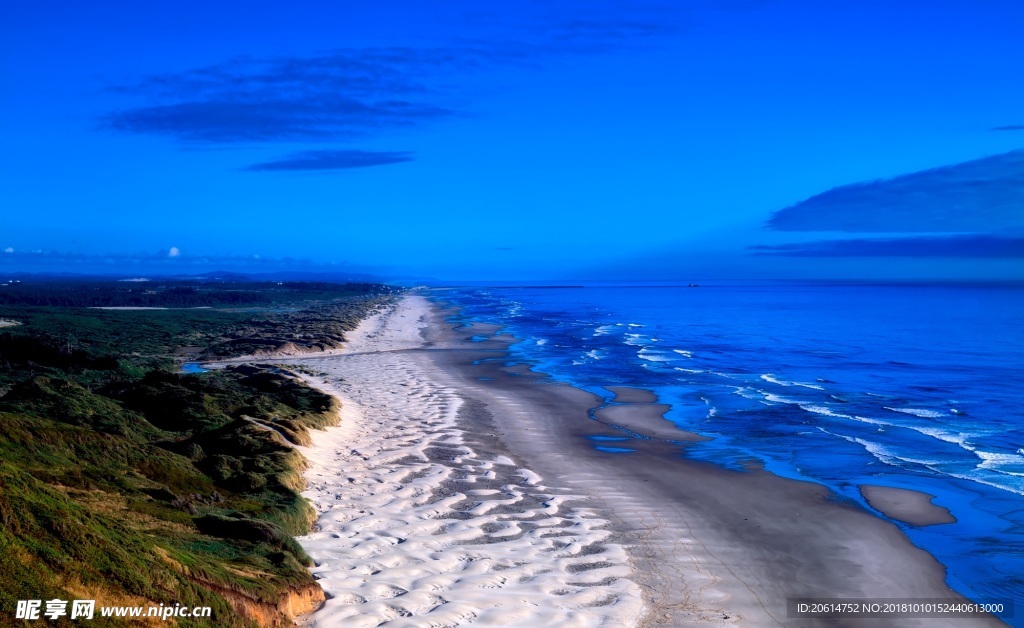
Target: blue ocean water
[{"x": 918, "y": 387}]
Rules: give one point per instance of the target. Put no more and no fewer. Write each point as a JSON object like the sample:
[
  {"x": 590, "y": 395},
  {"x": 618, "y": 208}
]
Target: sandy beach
[
  {"x": 422, "y": 525},
  {"x": 460, "y": 489}
]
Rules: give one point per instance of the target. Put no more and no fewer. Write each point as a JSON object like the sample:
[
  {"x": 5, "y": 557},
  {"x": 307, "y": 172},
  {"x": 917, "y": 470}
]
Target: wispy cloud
[
  {"x": 270, "y": 117},
  {"x": 332, "y": 160},
  {"x": 984, "y": 195},
  {"x": 966, "y": 246},
  {"x": 346, "y": 94}
]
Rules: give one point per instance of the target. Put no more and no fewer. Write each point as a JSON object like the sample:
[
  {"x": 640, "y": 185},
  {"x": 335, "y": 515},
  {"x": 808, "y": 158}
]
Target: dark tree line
[{"x": 81, "y": 293}]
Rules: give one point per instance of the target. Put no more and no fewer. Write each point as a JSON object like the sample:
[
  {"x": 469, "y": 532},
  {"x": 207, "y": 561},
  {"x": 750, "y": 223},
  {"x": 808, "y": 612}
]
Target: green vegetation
[
  {"x": 127, "y": 482},
  {"x": 55, "y": 338},
  {"x": 180, "y": 293}
]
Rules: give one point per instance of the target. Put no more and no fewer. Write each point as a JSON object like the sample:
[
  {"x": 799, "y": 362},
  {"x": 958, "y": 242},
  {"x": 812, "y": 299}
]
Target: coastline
[
  {"x": 419, "y": 518},
  {"x": 702, "y": 544}
]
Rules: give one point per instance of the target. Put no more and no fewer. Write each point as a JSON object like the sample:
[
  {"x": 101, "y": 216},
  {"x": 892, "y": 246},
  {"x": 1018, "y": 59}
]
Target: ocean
[{"x": 916, "y": 387}]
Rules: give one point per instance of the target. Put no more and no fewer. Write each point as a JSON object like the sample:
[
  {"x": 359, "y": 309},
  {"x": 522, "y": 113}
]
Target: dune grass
[{"x": 135, "y": 484}]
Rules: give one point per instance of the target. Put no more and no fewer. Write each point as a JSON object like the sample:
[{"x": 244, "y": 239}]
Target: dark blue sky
[{"x": 523, "y": 140}]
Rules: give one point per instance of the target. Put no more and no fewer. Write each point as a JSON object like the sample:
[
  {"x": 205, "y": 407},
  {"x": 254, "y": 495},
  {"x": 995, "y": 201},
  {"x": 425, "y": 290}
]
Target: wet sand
[
  {"x": 625, "y": 394},
  {"x": 644, "y": 420},
  {"x": 913, "y": 507}
]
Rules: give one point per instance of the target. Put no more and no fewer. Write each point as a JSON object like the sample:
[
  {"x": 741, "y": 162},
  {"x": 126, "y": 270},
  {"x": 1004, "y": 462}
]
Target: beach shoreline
[
  {"x": 702, "y": 544},
  {"x": 423, "y": 522}
]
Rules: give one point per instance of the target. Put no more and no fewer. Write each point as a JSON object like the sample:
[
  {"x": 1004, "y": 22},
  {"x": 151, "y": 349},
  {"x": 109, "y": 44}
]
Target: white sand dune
[{"x": 418, "y": 529}]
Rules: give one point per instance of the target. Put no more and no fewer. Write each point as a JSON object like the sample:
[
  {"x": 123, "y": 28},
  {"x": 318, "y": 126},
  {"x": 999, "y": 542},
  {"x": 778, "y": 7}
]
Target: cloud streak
[
  {"x": 265, "y": 117},
  {"x": 984, "y": 195},
  {"x": 345, "y": 94},
  {"x": 320, "y": 160},
  {"x": 966, "y": 246}
]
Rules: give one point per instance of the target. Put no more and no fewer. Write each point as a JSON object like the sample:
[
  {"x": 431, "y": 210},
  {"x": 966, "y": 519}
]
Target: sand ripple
[{"x": 416, "y": 528}]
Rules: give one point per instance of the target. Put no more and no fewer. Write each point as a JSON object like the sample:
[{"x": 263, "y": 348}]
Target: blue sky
[{"x": 522, "y": 140}]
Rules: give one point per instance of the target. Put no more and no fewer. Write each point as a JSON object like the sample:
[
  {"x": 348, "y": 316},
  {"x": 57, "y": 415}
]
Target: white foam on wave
[
  {"x": 948, "y": 436},
  {"x": 803, "y": 405},
  {"x": 679, "y": 368},
  {"x": 960, "y": 439},
  {"x": 773, "y": 398},
  {"x": 725, "y": 375},
  {"x": 769, "y": 377},
  {"x": 864, "y": 419},
  {"x": 920, "y": 412},
  {"x": 635, "y": 325},
  {"x": 603, "y": 330},
  {"x": 823, "y": 411},
  {"x": 634, "y": 340},
  {"x": 651, "y": 356},
  {"x": 987, "y": 472},
  {"x": 999, "y": 483},
  {"x": 748, "y": 393},
  {"x": 998, "y": 462},
  {"x": 884, "y": 454},
  {"x": 541, "y": 342},
  {"x": 956, "y": 438},
  {"x": 684, "y": 353},
  {"x": 878, "y": 451}
]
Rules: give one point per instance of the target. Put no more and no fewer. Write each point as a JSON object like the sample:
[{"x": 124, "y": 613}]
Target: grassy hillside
[{"x": 127, "y": 482}]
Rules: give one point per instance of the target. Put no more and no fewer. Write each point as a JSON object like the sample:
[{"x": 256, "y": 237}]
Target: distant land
[{"x": 216, "y": 275}]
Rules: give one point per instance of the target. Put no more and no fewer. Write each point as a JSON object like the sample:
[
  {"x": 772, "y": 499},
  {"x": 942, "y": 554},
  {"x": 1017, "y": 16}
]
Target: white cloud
[
  {"x": 9, "y": 249},
  {"x": 174, "y": 252}
]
